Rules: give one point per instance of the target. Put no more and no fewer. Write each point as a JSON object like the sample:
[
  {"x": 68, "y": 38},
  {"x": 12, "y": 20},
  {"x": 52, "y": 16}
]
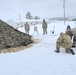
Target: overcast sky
[{"x": 10, "y": 9}]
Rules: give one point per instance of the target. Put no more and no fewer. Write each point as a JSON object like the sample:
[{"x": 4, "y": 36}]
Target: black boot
[
  {"x": 73, "y": 53},
  {"x": 73, "y": 46},
  {"x": 57, "y": 51}
]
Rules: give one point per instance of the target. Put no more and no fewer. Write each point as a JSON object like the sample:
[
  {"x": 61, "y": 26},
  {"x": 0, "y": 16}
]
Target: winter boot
[
  {"x": 73, "y": 53},
  {"x": 73, "y": 46},
  {"x": 57, "y": 51}
]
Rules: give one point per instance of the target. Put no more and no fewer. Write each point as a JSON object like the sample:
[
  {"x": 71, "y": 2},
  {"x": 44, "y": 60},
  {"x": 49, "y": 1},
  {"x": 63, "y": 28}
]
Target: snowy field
[{"x": 40, "y": 59}]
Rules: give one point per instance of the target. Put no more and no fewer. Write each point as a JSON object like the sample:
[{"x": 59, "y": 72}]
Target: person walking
[
  {"x": 44, "y": 26},
  {"x": 27, "y": 28}
]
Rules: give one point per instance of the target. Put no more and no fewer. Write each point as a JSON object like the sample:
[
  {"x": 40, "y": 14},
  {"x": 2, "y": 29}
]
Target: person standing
[
  {"x": 44, "y": 26},
  {"x": 27, "y": 28}
]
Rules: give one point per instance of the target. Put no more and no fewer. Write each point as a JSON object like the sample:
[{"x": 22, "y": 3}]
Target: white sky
[{"x": 48, "y": 8}]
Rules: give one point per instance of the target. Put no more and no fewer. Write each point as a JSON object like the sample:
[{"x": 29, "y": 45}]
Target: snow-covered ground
[{"x": 40, "y": 59}]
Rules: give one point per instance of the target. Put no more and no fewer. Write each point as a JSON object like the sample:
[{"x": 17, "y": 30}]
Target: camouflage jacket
[
  {"x": 71, "y": 32},
  {"x": 64, "y": 40},
  {"x": 44, "y": 25},
  {"x": 27, "y": 27}
]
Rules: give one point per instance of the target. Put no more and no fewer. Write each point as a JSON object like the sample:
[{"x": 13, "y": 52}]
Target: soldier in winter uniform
[
  {"x": 27, "y": 28},
  {"x": 64, "y": 41},
  {"x": 44, "y": 26}
]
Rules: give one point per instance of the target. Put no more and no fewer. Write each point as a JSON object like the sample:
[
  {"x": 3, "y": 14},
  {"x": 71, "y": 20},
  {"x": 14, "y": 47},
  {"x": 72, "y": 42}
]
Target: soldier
[
  {"x": 27, "y": 28},
  {"x": 64, "y": 41},
  {"x": 44, "y": 26}
]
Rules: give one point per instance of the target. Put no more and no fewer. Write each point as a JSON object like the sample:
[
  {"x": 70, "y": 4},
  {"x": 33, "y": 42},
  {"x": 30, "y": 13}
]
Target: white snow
[{"x": 40, "y": 59}]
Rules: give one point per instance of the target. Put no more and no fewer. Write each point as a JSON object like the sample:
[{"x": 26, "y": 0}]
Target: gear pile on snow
[{"x": 10, "y": 37}]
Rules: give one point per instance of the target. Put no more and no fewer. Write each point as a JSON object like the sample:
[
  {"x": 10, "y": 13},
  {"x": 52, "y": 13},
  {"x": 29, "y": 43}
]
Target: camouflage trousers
[{"x": 64, "y": 45}]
